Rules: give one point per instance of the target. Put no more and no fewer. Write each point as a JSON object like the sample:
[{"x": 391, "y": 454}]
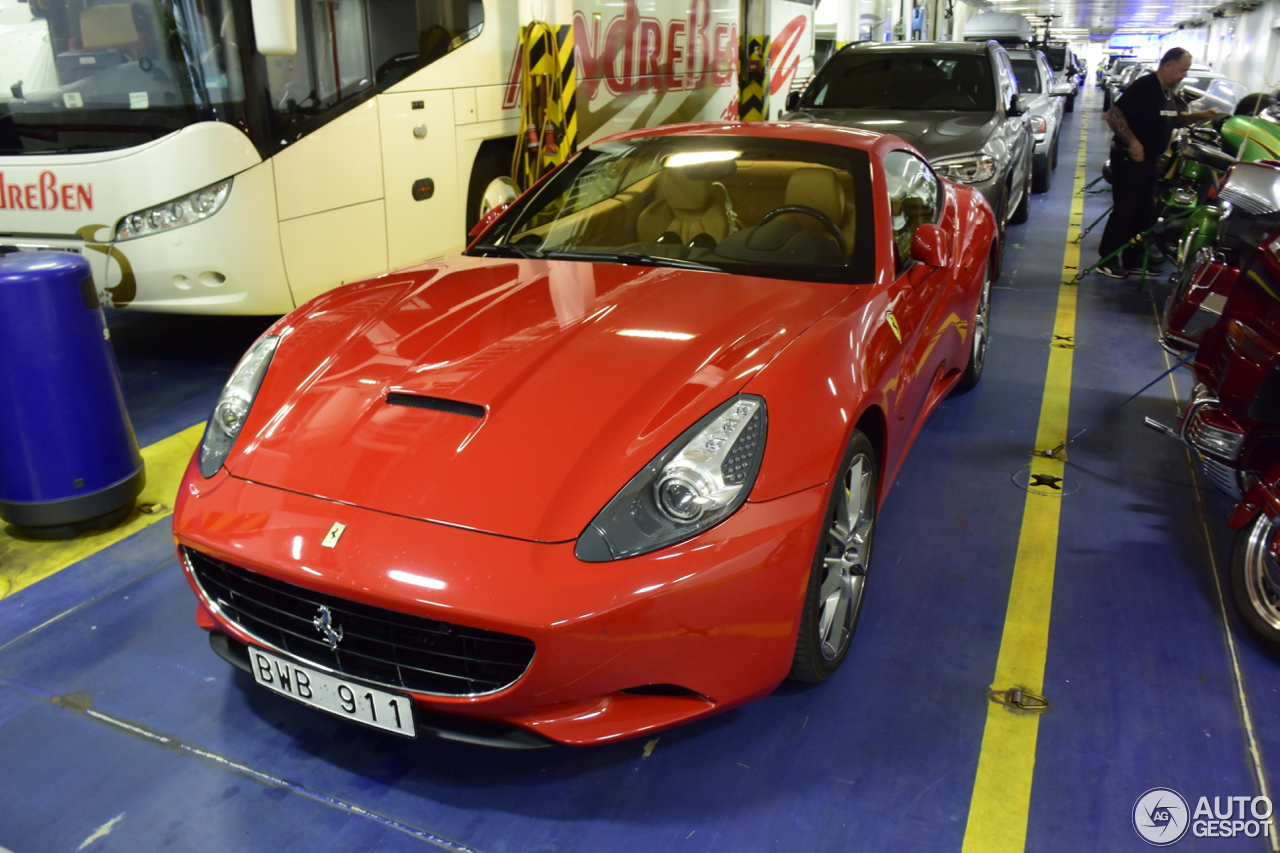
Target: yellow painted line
[
  {"x": 25, "y": 561},
  {"x": 1002, "y": 787}
]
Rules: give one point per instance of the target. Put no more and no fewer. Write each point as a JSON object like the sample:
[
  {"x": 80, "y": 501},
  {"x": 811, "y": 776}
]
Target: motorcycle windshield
[{"x": 78, "y": 78}]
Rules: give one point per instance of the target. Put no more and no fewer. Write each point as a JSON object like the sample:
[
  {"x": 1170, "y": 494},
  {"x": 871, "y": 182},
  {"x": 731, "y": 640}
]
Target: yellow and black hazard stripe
[
  {"x": 753, "y": 94},
  {"x": 548, "y": 83}
]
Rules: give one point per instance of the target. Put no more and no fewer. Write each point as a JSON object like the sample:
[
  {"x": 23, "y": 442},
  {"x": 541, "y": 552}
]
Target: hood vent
[{"x": 436, "y": 404}]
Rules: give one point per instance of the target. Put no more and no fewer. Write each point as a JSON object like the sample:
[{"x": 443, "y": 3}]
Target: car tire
[
  {"x": 1022, "y": 212},
  {"x": 490, "y": 185},
  {"x": 1043, "y": 179},
  {"x": 837, "y": 579},
  {"x": 1071, "y": 103},
  {"x": 978, "y": 339},
  {"x": 1256, "y": 597},
  {"x": 1106, "y": 100},
  {"x": 1053, "y": 154}
]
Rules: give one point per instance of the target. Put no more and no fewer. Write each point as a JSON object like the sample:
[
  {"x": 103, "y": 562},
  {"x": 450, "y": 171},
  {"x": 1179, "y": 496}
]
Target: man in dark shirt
[{"x": 1142, "y": 121}]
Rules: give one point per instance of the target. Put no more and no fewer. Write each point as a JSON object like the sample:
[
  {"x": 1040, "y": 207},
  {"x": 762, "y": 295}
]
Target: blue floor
[{"x": 121, "y": 731}]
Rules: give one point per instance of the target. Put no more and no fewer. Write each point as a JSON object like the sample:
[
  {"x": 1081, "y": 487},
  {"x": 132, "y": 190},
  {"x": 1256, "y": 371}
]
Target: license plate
[{"x": 368, "y": 705}]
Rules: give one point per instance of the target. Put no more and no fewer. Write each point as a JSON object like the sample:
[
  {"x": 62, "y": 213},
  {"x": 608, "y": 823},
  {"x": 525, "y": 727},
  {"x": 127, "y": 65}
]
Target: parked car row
[{"x": 982, "y": 114}]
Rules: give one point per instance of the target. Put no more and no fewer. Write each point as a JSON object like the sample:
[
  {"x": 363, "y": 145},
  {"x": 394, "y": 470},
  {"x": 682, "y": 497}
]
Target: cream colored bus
[{"x": 242, "y": 156}]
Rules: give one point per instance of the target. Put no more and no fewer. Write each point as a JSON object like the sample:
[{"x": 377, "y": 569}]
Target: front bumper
[
  {"x": 1217, "y": 441},
  {"x": 622, "y": 648}
]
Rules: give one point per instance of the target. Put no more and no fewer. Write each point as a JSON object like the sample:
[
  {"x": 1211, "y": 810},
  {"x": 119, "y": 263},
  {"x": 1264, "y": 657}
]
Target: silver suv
[
  {"x": 1045, "y": 93},
  {"x": 956, "y": 102}
]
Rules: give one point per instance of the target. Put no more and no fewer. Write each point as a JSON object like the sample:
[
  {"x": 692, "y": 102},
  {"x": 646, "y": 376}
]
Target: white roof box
[{"x": 1004, "y": 27}]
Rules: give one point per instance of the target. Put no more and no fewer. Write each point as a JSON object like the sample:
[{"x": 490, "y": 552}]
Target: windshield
[
  {"x": 904, "y": 81},
  {"x": 101, "y": 75},
  {"x": 1028, "y": 73},
  {"x": 759, "y": 207}
]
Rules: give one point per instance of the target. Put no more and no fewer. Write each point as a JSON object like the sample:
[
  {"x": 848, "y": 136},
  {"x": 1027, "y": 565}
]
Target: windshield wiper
[
  {"x": 506, "y": 250},
  {"x": 634, "y": 258}
]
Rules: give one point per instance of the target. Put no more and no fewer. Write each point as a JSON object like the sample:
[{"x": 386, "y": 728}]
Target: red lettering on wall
[
  {"x": 630, "y": 54},
  {"x": 724, "y": 47},
  {"x": 675, "y": 52},
  {"x": 620, "y": 51},
  {"x": 586, "y": 53},
  {"x": 699, "y": 57},
  {"x": 45, "y": 194},
  {"x": 784, "y": 53},
  {"x": 650, "y": 55},
  {"x": 48, "y": 195}
]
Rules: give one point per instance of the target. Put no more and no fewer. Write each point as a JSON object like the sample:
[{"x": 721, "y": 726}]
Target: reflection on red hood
[{"x": 584, "y": 372}]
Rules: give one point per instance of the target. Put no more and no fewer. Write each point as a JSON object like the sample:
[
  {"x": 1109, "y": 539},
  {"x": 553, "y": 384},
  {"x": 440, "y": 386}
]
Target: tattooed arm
[
  {"x": 1124, "y": 134},
  {"x": 1185, "y": 119}
]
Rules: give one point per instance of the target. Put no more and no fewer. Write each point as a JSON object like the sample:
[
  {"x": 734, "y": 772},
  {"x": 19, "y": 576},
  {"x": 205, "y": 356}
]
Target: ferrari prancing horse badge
[{"x": 331, "y": 538}]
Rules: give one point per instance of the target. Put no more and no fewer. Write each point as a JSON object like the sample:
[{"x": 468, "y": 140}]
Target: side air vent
[{"x": 436, "y": 404}]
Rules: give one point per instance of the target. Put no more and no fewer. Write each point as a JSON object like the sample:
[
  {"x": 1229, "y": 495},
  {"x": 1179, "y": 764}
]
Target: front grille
[
  {"x": 1222, "y": 476},
  {"x": 378, "y": 645},
  {"x": 1205, "y": 438}
]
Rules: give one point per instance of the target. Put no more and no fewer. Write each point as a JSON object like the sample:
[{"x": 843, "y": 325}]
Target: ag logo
[{"x": 1160, "y": 816}]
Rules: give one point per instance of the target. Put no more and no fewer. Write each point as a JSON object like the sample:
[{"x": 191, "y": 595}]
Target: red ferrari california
[{"x": 616, "y": 466}]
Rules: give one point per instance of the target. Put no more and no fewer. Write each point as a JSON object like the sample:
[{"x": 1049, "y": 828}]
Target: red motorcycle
[{"x": 1226, "y": 308}]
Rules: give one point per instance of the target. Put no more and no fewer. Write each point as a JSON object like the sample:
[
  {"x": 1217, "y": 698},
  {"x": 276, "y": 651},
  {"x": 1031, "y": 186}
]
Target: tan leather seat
[
  {"x": 819, "y": 188},
  {"x": 683, "y": 206}
]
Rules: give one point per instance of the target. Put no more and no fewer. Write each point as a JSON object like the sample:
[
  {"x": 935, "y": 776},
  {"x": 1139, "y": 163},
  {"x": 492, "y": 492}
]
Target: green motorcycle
[{"x": 1188, "y": 204}]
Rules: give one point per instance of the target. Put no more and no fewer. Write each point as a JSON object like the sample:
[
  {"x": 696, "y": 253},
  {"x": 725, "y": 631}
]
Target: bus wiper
[
  {"x": 634, "y": 258},
  {"x": 506, "y": 250}
]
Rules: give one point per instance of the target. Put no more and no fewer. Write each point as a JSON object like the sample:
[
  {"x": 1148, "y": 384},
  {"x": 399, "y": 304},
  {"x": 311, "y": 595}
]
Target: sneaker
[{"x": 1111, "y": 271}]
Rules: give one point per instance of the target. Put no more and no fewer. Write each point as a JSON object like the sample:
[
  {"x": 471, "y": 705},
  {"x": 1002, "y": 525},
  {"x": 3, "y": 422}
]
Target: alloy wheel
[
  {"x": 848, "y": 551},
  {"x": 1262, "y": 572}
]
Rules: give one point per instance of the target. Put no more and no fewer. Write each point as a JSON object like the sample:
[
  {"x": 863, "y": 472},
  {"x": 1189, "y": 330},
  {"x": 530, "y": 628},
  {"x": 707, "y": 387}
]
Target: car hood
[
  {"x": 577, "y": 375},
  {"x": 935, "y": 133}
]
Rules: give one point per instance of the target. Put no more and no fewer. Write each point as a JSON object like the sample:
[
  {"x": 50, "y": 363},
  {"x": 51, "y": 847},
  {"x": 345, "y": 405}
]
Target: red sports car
[{"x": 614, "y": 468}]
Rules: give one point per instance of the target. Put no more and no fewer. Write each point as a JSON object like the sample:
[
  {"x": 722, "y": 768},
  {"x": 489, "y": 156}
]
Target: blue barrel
[{"x": 69, "y": 460}]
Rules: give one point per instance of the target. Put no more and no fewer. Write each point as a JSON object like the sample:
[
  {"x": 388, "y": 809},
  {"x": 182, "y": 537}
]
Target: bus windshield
[{"x": 85, "y": 75}]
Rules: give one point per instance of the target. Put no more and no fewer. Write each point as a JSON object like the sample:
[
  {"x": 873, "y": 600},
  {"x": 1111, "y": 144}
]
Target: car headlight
[
  {"x": 697, "y": 481},
  {"x": 973, "y": 169},
  {"x": 233, "y": 404},
  {"x": 187, "y": 210},
  {"x": 1039, "y": 126}
]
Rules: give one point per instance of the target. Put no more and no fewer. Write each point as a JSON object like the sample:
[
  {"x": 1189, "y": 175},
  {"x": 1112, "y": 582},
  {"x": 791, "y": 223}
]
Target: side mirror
[
  {"x": 487, "y": 220},
  {"x": 793, "y": 101},
  {"x": 275, "y": 27},
  {"x": 929, "y": 245},
  {"x": 1063, "y": 89},
  {"x": 1018, "y": 107}
]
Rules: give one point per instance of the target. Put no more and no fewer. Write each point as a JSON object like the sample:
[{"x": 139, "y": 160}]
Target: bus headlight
[{"x": 186, "y": 210}]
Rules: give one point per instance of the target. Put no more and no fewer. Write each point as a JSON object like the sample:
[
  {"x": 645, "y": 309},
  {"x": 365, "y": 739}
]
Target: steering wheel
[{"x": 832, "y": 228}]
